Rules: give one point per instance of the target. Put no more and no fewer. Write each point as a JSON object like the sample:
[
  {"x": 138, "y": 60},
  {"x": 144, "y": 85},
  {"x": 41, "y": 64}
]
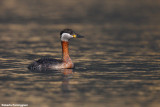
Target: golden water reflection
[
  {"x": 117, "y": 63},
  {"x": 108, "y": 69}
]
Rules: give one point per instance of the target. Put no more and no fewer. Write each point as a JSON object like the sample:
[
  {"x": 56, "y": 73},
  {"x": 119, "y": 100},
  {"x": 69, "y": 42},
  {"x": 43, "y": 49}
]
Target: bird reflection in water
[{"x": 66, "y": 75}]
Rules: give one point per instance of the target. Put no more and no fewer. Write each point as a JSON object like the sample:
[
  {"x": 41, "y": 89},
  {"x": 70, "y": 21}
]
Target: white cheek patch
[{"x": 66, "y": 37}]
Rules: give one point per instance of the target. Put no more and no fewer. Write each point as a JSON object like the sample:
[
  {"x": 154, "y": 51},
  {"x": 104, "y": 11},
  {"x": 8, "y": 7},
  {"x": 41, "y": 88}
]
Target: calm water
[{"x": 117, "y": 64}]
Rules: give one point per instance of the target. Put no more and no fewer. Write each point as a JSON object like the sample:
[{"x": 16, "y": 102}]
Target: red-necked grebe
[{"x": 66, "y": 62}]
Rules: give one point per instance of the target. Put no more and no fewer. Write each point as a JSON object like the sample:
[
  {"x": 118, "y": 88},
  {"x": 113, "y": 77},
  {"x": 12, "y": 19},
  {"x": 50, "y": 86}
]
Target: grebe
[{"x": 53, "y": 64}]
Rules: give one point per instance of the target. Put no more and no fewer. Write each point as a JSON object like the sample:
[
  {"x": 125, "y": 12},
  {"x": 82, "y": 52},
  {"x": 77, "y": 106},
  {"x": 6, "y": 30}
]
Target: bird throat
[{"x": 65, "y": 51}]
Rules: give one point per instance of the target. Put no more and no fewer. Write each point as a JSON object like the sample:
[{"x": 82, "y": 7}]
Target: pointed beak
[{"x": 77, "y": 36}]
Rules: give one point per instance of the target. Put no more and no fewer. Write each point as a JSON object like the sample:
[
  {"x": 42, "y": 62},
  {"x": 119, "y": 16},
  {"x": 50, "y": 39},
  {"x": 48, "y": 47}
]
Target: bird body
[{"x": 54, "y": 64}]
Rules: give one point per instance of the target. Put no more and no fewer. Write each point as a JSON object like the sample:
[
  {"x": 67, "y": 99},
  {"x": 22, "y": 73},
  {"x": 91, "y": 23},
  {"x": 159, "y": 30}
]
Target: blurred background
[
  {"x": 117, "y": 63},
  {"x": 80, "y": 12}
]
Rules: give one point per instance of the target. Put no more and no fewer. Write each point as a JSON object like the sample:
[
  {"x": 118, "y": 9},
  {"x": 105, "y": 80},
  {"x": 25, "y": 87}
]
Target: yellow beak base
[{"x": 74, "y": 36}]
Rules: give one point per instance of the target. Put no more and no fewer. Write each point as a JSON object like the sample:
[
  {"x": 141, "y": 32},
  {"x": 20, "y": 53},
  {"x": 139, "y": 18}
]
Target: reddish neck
[{"x": 65, "y": 52}]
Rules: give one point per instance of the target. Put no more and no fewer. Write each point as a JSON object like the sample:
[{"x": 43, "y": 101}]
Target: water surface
[{"x": 117, "y": 63}]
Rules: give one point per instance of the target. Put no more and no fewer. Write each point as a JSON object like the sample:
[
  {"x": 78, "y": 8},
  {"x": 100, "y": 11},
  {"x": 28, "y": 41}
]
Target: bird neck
[{"x": 65, "y": 51}]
